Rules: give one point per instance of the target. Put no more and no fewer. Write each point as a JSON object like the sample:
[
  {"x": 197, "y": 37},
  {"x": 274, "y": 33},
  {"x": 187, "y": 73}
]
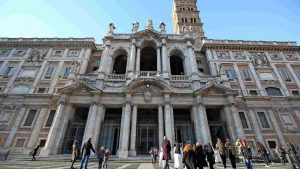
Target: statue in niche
[
  {"x": 150, "y": 24},
  {"x": 191, "y": 29},
  {"x": 162, "y": 27},
  {"x": 36, "y": 55},
  {"x": 259, "y": 59},
  {"x": 135, "y": 27},
  {"x": 184, "y": 29},
  {"x": 111, "y": 28},
  {"x": 75, "y": 67},
  {"x": 221, "y": 69}
]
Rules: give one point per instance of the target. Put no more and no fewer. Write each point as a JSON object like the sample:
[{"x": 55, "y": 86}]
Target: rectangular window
[
  {"x": 50, "y": 118},
  {"x": 285, "y": 75},
  {"x": 266, "y": 76},
  {"x": 66, "y": 72},
  {"x": 230, "y": 74},
  {"x": 42, "y": 143},
  {"x": 57, "y": 52},
  {"x": 272, "y": 144},
  {"x": 10, "y": 71},
  {"x": 20, "y": 142},
  {"x": 28, "y": 73},
  {"x": 246, "y": 75},
  {"x": 295, "y": 92},
  {"x": 243, "y": 120},
  {"x": 263, "y": 120},
  {"x": 49, "y": 72},
  {"x": 253, "y": 92},
  {"x": 4, "y": 53},
  {"x": 19, "y": 52},
  {"x": 74, "y": 53},
  {"x": 41, "y": 90},
  {"x": 30, "y": 117}
]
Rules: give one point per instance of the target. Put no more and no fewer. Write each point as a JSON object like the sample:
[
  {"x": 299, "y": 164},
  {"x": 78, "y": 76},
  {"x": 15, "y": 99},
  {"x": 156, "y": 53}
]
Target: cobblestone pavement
[{"x": 111, "y": 165}]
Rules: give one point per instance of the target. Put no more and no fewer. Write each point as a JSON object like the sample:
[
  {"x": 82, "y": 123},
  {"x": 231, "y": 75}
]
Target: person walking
[
  {"x": 281, "y": 153},
  {"x": 221, "y": 150},
  {"x": 75, "y": 153},
  {"x": 35, "y": 150},
  {"x": 210, "y": 155},
  {"x": 177, "y": 156},
  {"x": 155, "y": 154},
  {"x": 231, "y": 152},
  {"x": 86, "y": 152},
  {"x": 264, "y": 153},
  {"x": 106, "y": 157},
  {"x": 101, "y": 157},
  {"x": 189, "y": 157},
  {"x": 247, "y": 154},
  {"x": 200, "y": 156},
  {"x": 166, "y": 148},
  {"x": 151, "y": 152},
  {"x": 239, "y": 146}
]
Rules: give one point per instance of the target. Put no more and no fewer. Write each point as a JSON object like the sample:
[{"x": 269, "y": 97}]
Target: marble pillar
[
  {"x": 168, "y": 123},
  {"x": 98, "y": 122},
  {"x": 160, "y": 124},
  {"x": 192, "y": 58},
  {"x": 158, "y": 59},
  {"x": 292, "y": 72},
  {"x": 37, "y": 127},
  {"x": 165, "y": 70},
  {"x": 276, "y": 127},
  {"x": 132, "y": 151},
  {"x": 211, "y": 65},
  {"x": 257, "y": 81},
  {"x": 230, "y": 122},
  {"x": 237, "y": 122},
  {"x": 123, "y": 153},
  {"x": 204, "y": 126},
  {"x": 286, "y": 92},
  {"x": 196, "y": 118},
  {"x": 138, "y": 59},
  {"x": 130, "y": 69},
  {"x": 240, "y": 79},
  {"x": 255, "y": 126}
]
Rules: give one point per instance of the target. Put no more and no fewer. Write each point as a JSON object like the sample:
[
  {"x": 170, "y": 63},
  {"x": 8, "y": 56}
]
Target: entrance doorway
[
  {"x": 184, "y": 131},
  {"x": 217, "y": 125},
  {"x": 147, "y": 130},
  {"x": 110, "y": 130},
  {"x": 75, "y": 129}
]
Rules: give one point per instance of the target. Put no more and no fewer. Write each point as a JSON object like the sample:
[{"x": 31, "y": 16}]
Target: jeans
[
  {"x": 248, "y": 163},
  {"x": 100, "y": 162},
  {"x": 223, "y": 157},
  {"x": 232, "y": 160},
  {"x": 85, "y": 160},
  {"x": 267, "y": 159}
]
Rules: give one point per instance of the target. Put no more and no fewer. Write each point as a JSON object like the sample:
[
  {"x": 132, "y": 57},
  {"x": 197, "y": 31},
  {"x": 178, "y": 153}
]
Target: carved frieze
[
  {"x": 114, "y": 84},
  {"x": 37, "y": 55},
  {"x": 259, "y": 59},
  {"x": 181, "y": 85}
]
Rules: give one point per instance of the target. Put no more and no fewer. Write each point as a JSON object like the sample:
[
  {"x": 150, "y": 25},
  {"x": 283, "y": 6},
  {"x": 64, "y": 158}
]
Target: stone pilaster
[
  {"x": 104, "y": 59},
  {"x": 237, "y": 121},
  {"x": 257, "y": 81},
  {"x": 138, "y": 59},
  {"x": 158, "y": 59},
  {"x": 292, "y": 72},
  {"x": 38, "y": 77},
  {"x": 204, "y": 127},
  {"x": 276, "y": 127},
  {"x": 132, "y": 151},
  {"x": 211, "y": 65},
  {"x": 196, "y": 118},
  {"x": 168, "y": 123},
  {"x": 98, "y": 122},
  {"x": 56, "y": 77},
  {"x": 240, "y": 79},
  {"x": 12, "y": 79},
  {"x": 282, "y": 83},
  {"x": 123, "y": 153},
  {"x": 229, "y": 122},
  {"x": 132, "y": 59},
  {"x": 255, "y": 126},
  {"x": 192, "y": 58},
  {"x": 15, "y": 127},
  {"x": 165, "y": 60},
  {"x": 3, "y": 67},
  {"x": 160, "y": 124},
  {"x": 37, "y": 127}
]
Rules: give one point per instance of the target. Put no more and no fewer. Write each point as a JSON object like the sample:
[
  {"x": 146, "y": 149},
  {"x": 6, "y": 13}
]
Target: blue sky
[{"x": 223, "y": 19}]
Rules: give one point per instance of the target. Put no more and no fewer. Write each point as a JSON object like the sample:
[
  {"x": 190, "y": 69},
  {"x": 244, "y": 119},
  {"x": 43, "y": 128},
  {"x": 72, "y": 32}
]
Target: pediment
[
  {"x": 152, "y": 86},
  {"x": 147, "y": 33},
  {"x": 215, "y": 89},
  {"x": 79, "y": 88}
]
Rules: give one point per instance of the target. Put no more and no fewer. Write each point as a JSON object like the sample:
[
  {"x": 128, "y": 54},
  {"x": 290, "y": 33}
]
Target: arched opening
[
  {"x": 120, "y": 64},
  {"x": 148, "y": 59},
  {"x": 176, "y": 65},
  {"x": 272, "y": 91}
]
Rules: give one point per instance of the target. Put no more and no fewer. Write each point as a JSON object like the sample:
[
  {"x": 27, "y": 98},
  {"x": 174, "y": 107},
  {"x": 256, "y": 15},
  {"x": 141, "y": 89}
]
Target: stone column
[
  {"x": 165, "y": 70},
  {"x": 158, "y": 59},
  {"x": 104, "y": 58},
  {"x": 132, "y": 151},
  {"x": 138, "y": 59},
  {"x": 255, "y": 126},
  {"x": 291, "y": 70},
  {"x": 282, "y": 83},
  {"x": 168, "y": 123},
  {"x": 229, "y": 122},
  {"x": 240, "y": 79},
  {"x": 123, "y": 153},
  {"x": 160, "y": 124},
  {"x": 257, "y": 81},
  {"x": 211, "y": 65},
  {"x": 276, "y": 127},
  {"x": 237, "y": 121},
  {"x": 54, "y": 131},
  {"x": 84, "y": 63},
  {"x": 55, "y": 77},
  {"x": 90, "y": 126},
  {"x": 204, "y": 127},
  {"x": 192, "y": 58},
  {"x": 130, "y": 69},
  {"x": 196, "y": 118},
  {"x": 15, "y": 127},
  {"x": 37, "y": 127}
]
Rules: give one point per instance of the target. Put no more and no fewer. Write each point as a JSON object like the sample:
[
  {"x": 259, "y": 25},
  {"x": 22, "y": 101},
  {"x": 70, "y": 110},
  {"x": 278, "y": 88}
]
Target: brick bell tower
[{"x": 185, "y": 14}]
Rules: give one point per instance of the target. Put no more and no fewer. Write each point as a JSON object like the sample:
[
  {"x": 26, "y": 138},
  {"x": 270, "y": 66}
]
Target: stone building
[{"x": 133, "y": 89}]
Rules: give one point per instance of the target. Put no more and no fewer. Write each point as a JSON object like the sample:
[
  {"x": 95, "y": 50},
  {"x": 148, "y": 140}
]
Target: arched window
[
  {"x": 176, "y": 65},
  {"x": 120, "y": 64},
  {"x": 148, "y": 59},
  {"x": 20, "y": 89},
  {"x": 272, "y": 91}
]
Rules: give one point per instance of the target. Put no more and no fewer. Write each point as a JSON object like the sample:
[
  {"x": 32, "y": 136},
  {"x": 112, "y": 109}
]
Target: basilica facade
[{"x": 134, "y": 88}]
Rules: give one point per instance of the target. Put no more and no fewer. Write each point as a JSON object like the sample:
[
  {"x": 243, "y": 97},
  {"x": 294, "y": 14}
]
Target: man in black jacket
[{"x": 86, "y": 152}]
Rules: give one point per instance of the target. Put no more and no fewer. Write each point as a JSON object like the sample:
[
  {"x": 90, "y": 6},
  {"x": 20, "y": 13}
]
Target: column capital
[
  {"x": 229, "y": 105},
  {"x": 62, "y": 101},
  {"x": 128, "y": 102},
  {"x": 167, "y": 103},
  {"x": 159, "y": 45}
]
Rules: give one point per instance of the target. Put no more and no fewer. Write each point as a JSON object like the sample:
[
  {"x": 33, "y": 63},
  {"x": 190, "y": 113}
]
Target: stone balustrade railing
[
  {"x": 179, "y": 78},
  {"x": 147, "y": 74},
  {"x": 87, "y": 77},
  {"x": 115, "y": 77}
]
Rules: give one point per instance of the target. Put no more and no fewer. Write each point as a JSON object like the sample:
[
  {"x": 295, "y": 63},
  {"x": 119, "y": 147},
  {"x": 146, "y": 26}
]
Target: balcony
[
  {"x": 115, "y": 77},
  {"x": 147, "y": 74},
  {"x": 180, "y": 78}
]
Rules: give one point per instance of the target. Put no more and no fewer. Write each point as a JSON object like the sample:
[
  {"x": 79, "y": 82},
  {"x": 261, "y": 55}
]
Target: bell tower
[{"x": 185, "y": 15}]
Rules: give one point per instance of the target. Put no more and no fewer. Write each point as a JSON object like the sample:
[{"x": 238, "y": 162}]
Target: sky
[{"x": 274, "y": 20}]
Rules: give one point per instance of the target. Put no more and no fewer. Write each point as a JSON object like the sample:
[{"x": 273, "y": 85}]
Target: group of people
[
  {"x": 197, "y": 156},
  {"x": 103, "y": 154}
]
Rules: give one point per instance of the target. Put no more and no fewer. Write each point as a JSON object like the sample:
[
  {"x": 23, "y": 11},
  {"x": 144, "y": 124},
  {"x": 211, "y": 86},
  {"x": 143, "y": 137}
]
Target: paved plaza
[{"x": 111, "y": 165}]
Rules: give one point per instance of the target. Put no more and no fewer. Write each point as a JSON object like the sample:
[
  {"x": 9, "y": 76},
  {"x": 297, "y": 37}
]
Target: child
[
  {"x": 101, "y": 156},
  {"x": 106, "y": 157}
]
